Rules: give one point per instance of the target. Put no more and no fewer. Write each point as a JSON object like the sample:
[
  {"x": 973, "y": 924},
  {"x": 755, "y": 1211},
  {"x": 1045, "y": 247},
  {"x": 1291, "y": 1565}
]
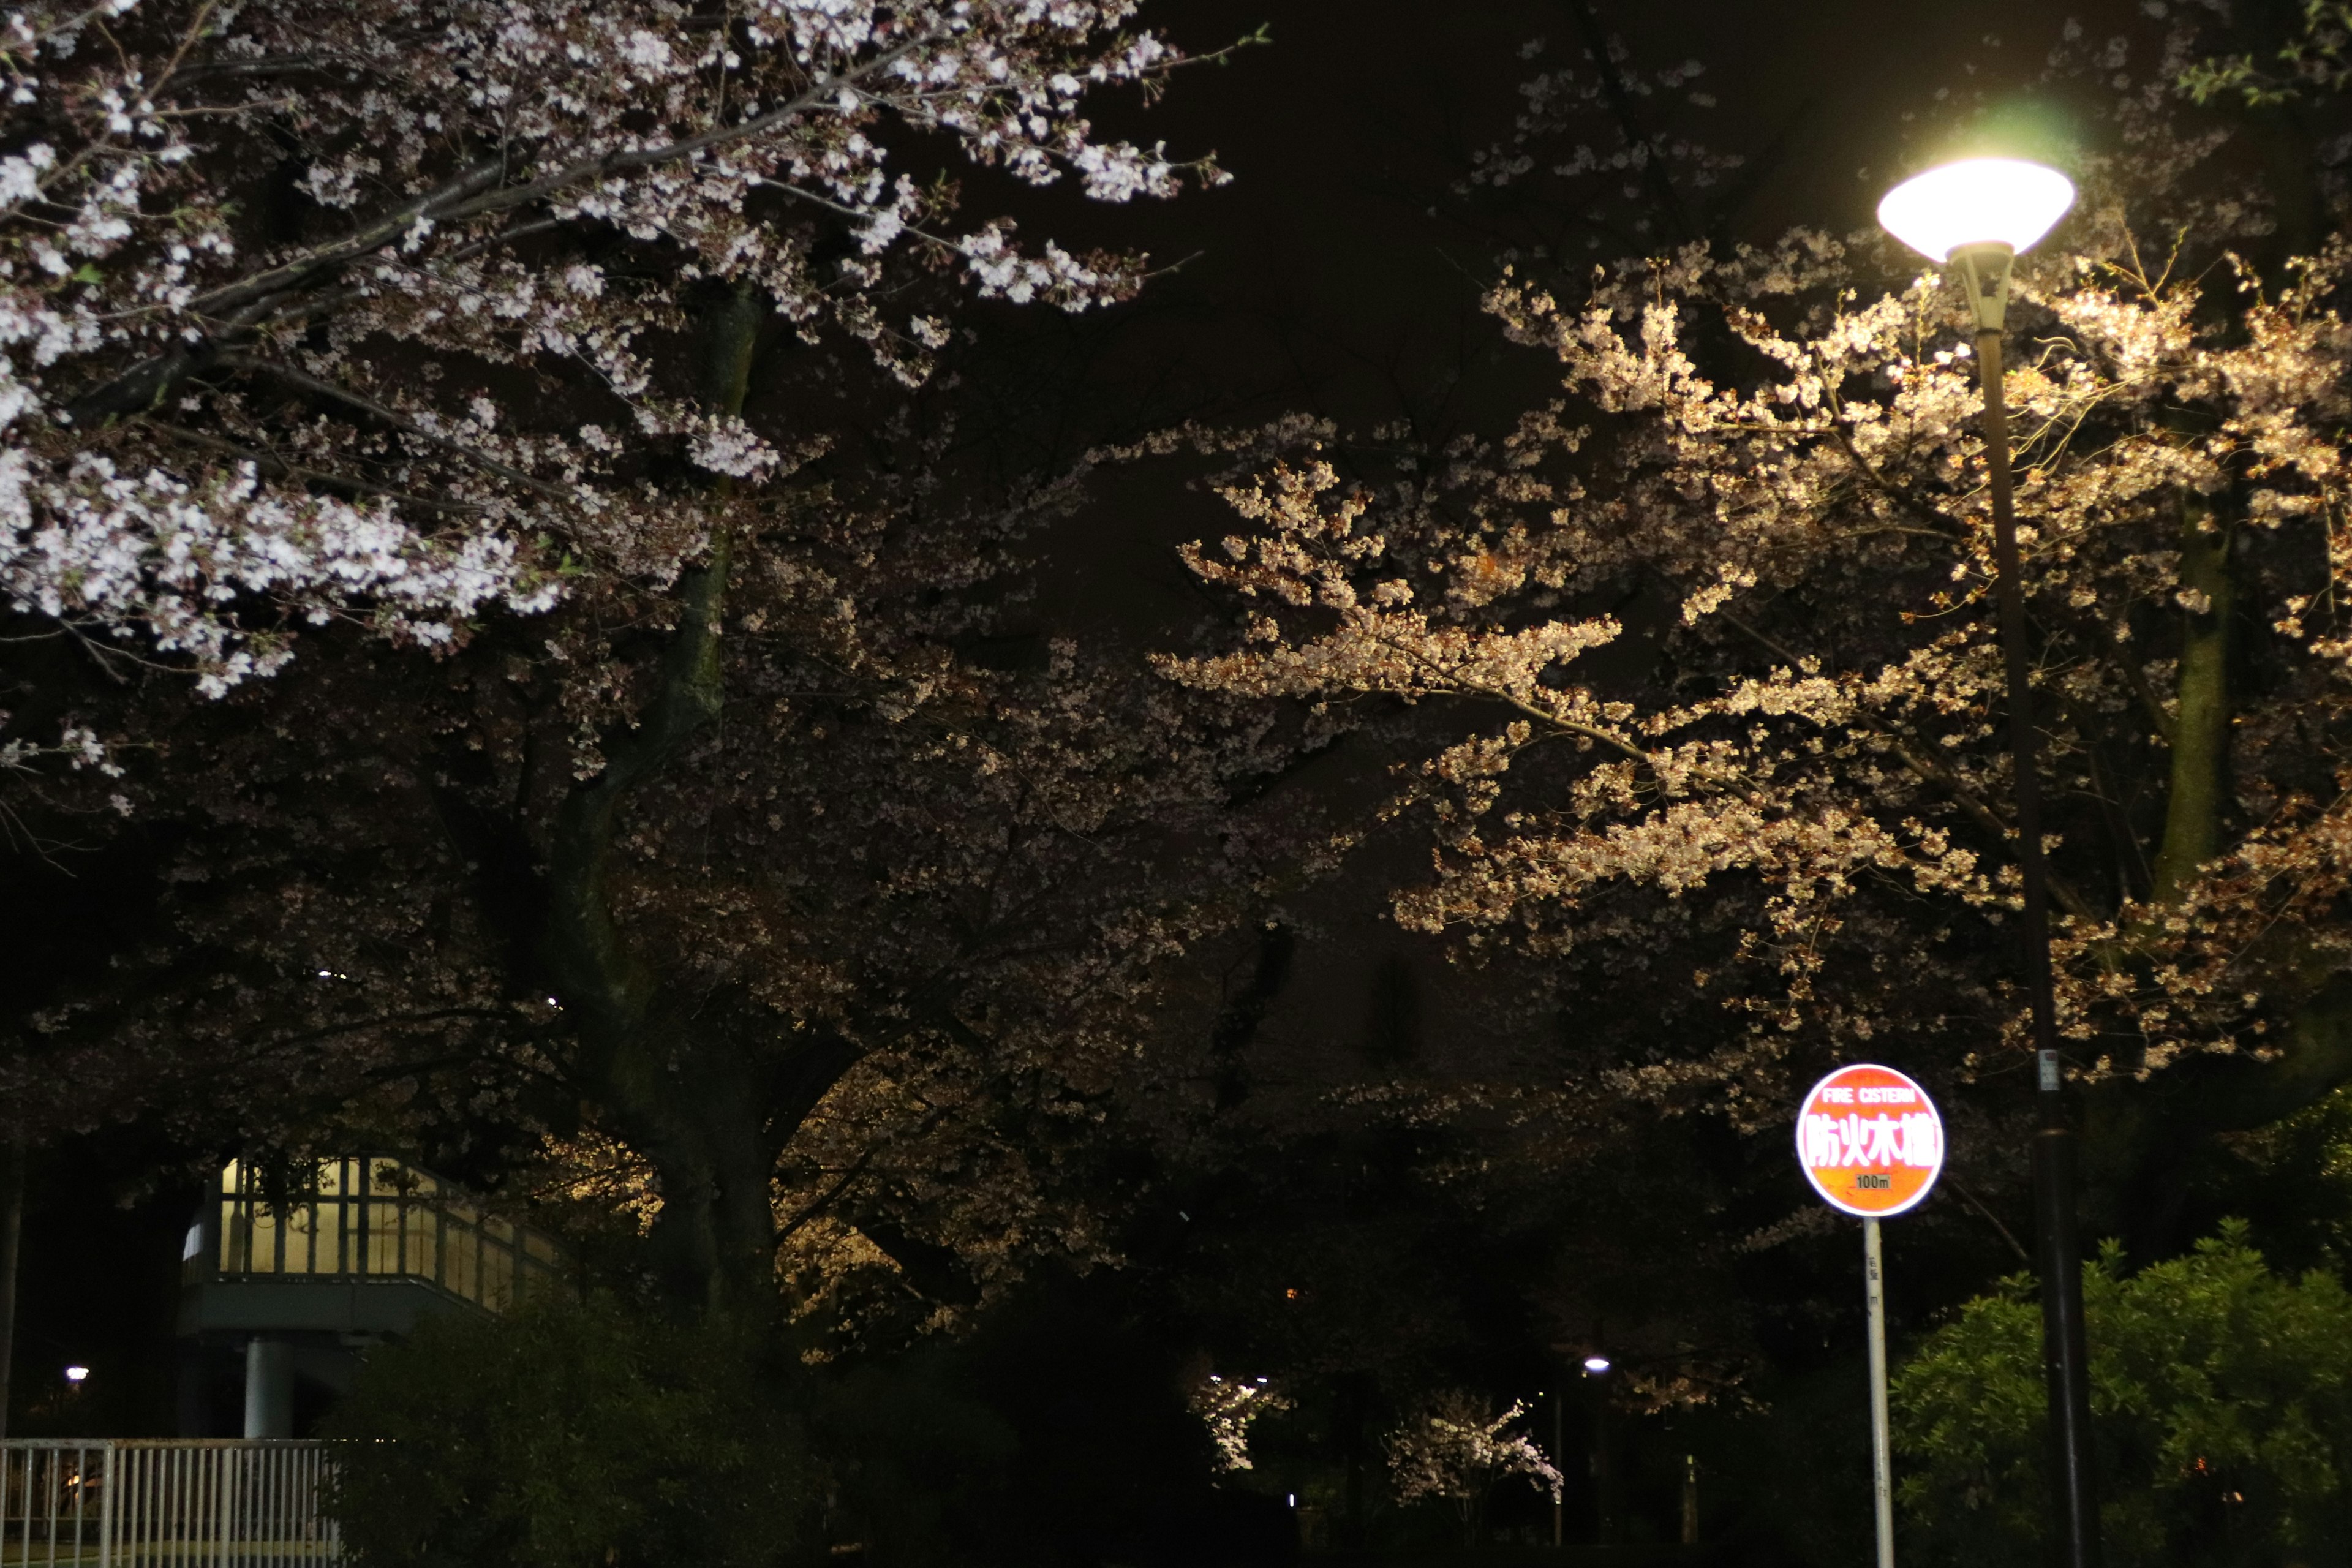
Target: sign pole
[
  {"x": 1870, "y": 1141},
  {"x": 1880, "y": 1464}
]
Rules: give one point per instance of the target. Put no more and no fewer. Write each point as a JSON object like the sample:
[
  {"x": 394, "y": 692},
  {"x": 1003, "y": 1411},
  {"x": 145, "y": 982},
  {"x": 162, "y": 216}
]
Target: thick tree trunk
[
  {"x": 2140, "y": 1134},
  {"x": 710, "y": 1112}
]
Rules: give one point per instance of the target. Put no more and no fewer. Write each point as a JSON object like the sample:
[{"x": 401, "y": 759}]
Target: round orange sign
[{"x": 1870, "y": 1141}]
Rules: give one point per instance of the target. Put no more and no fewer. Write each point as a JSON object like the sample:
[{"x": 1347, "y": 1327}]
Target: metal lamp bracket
[{"x": 1984, "y": 270}]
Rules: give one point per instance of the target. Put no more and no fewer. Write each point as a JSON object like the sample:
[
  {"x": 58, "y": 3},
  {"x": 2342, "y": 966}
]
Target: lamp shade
[{"x": 1977, "y": 200}]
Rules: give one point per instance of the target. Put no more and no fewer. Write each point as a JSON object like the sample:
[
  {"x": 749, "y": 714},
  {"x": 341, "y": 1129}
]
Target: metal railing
[{"x": 160, "y": 1504}]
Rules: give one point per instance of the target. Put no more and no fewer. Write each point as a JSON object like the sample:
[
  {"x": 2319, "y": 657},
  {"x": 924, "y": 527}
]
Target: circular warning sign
[{"x": 1870, "y": 1141}]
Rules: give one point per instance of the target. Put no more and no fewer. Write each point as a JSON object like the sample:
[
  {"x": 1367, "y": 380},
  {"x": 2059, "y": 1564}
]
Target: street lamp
[
  {"x": 1979, "y": 214},
  {"x": 1597, "y": 1366}
]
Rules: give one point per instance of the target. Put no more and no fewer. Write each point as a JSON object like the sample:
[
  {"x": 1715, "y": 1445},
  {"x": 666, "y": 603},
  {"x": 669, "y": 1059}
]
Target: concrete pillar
[{"x": 269, "y": 1388}]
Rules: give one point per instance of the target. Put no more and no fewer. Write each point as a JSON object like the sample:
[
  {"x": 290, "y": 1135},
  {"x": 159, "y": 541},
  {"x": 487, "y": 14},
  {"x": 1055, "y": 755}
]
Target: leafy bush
[
  {"x": 2221, "y": 1404},
  {"x": 572, "y": 1435}
]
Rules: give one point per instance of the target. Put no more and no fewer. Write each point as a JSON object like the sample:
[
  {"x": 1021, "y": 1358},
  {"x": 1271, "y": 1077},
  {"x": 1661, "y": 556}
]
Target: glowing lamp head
[
  {"x": 76, "y": 1373},
  {"x": 1596, "y": 1363},
  {"x": 1977, "y": 200}
]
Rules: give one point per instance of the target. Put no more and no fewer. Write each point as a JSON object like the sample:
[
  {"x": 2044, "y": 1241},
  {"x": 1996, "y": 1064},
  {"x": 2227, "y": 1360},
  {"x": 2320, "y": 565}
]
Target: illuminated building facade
[{"x": 295, "y": 1278}]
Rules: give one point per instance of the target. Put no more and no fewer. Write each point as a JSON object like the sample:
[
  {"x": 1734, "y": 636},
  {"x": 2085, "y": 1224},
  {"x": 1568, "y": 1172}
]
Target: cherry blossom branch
[
  {"x": 292, "y": 274},
  {"x": 270, "y": 463},
  {"x": 1953, "y": 527},
  {"x": 406, "y": 426},
  {"x": 1932, "y": 773},
  {"x": 874, "y": 1146},
  {"x": 320, "y": 304},
  {"x": 455, "y": 200},
  {"x": 1478, "y": 688},
  {"x": 2118, "y": 658}
]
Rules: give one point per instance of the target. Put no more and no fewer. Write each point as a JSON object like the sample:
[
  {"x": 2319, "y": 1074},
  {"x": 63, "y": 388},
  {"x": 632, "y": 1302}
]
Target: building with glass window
[{"x": 283, "y": 1288}]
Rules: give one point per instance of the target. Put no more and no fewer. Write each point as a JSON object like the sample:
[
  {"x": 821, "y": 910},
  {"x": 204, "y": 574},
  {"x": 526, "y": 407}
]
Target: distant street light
[
  {"x": 1979, "y": 213},
  {"x": 75, "y": 1374},
  {"x": 1596, "y": 1365}
]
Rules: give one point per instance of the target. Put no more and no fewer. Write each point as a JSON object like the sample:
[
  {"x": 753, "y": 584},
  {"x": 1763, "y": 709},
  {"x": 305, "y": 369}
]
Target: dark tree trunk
[{"x": 711, "y": 1112}]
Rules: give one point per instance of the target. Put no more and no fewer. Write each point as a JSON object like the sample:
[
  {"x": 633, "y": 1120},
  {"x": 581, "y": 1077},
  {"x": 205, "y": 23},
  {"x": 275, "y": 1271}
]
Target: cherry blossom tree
[
  {"x": 591, "y": 347},
  {"x": 1704, "y": 651},
  {"x": 1458, "y": 1448},
  {"x": 1227, "y": 1407},
  {"x": 858, "y": 970},
  {"x": 361, "y": 311}
]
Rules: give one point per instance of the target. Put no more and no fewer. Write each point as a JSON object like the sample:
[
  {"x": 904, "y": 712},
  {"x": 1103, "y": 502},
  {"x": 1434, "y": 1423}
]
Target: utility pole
[
  {"x": 1604, "y": 1463},
  {"x": 12, "y": 1236},
  {"x": 1560, "y": 1493}
]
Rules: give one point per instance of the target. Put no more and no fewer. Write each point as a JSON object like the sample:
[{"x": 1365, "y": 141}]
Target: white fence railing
[{"x": 159, "y": 1503}]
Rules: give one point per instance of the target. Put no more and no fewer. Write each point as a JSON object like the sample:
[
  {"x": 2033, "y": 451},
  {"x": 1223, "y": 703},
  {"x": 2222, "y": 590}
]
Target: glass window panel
[
  {"x": 327, "y": 1238},
  {"x": 380, "y": 1217},
  {"x": 264, "y": 1231},
  {"x": 422, "y": 1258},
  {"x": 498, "y": 1277},
  {"x": 297, "y": 1239},
  {"x": 460, "y": 1247},
  {"x": 384, "y": 1238},
  {"x": 232, "y": 1237}
]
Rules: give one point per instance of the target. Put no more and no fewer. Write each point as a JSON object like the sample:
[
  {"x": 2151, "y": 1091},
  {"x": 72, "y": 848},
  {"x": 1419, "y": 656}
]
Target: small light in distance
[
  {"x": 1596, "y": 1365},
  {"x": 76, "y": 1374}
]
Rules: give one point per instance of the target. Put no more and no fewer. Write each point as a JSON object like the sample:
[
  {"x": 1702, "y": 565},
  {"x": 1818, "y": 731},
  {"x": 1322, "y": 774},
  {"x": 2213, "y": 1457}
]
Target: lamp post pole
[
  {"x": 1559, "y": 1493},
  {"x": 2058, "y": 1248}
]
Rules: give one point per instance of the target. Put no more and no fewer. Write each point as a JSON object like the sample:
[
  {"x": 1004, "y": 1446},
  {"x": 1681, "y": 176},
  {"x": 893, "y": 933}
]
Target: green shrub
[
  {"x": 572, "y": 1435},
  {"x": 2221, "y": 1406}
]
